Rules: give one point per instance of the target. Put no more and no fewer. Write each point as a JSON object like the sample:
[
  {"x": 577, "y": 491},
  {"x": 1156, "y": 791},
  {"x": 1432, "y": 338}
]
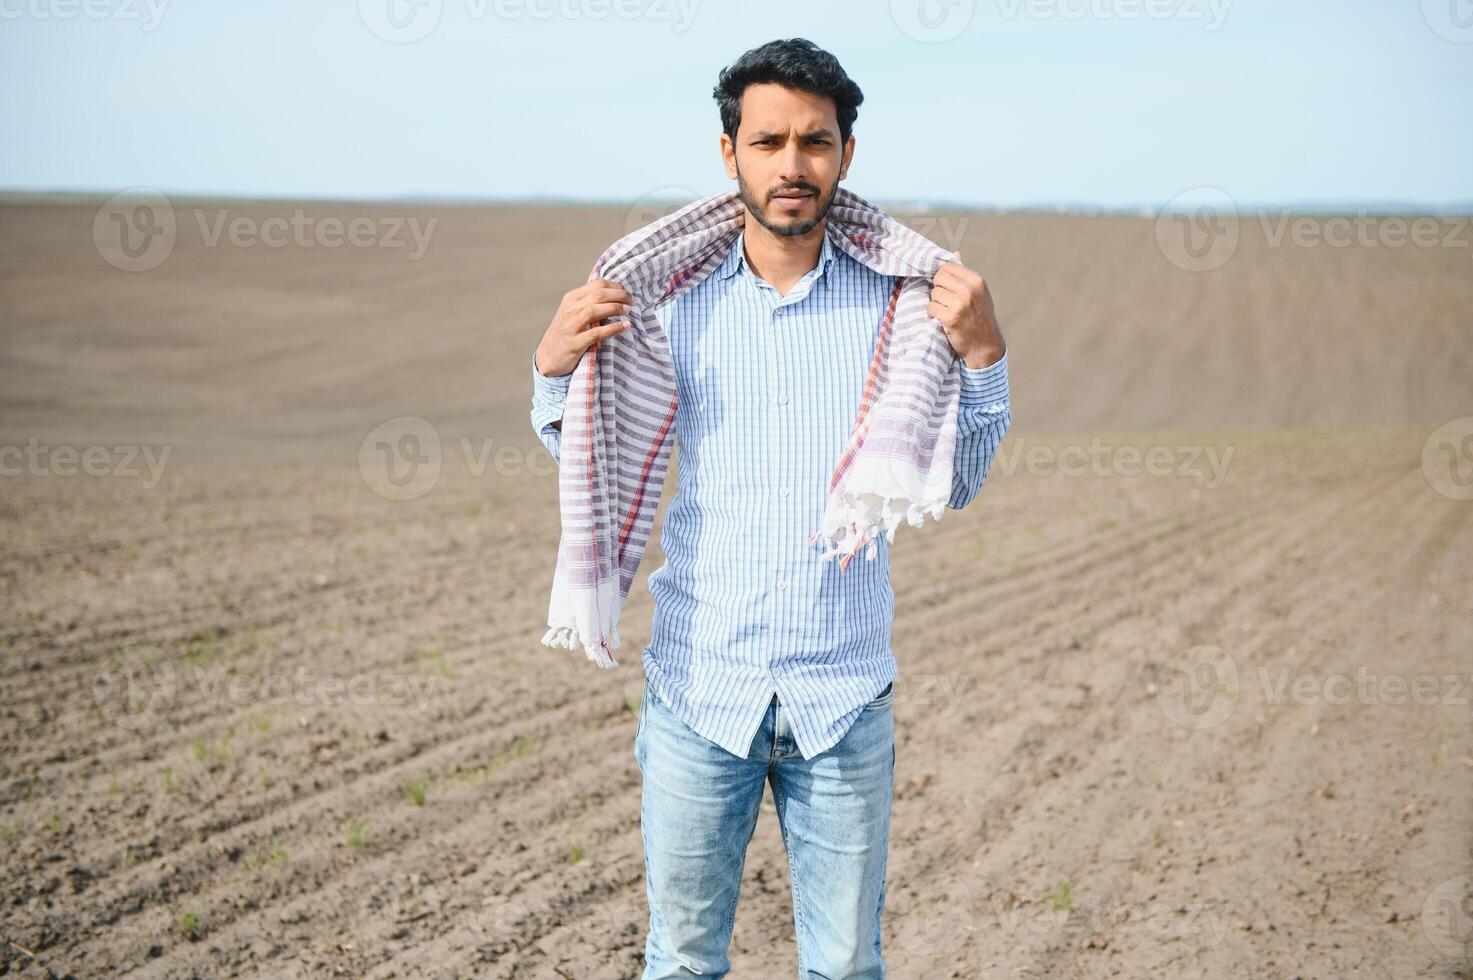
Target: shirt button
[
  {"x": 782, "y": 584},
  {"x": 782, "y": 399},
  {"x": 784, "y": 491}
]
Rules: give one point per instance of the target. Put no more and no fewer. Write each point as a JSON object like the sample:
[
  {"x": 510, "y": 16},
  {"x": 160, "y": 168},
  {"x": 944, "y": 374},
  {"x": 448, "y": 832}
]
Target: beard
[{"x": 789, "y": 226}]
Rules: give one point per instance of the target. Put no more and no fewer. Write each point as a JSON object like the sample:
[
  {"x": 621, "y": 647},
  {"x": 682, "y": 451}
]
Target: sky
[{"x": 1115, "y": 104}]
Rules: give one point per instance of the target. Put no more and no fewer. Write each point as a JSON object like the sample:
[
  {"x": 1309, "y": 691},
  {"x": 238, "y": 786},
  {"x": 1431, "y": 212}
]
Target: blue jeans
[{"x": 698, "y": 814}]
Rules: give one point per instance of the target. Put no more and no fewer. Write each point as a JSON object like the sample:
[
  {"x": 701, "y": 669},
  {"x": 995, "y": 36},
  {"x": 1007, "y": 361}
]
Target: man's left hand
[{"x": 962, "y": 303}]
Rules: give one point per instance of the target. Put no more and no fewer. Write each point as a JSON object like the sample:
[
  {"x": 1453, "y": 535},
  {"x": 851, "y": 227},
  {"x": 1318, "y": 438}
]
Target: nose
[{"x": 791, "y": 170}]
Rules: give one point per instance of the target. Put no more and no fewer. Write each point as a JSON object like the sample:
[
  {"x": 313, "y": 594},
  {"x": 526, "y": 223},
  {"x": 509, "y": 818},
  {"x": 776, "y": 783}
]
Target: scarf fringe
[
  {"x": 587, "y": 618},
  {"x": 855, "y": 520},
  {"x": 567, "y": 638}
]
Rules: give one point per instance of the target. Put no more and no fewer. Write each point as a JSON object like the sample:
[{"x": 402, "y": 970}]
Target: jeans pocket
[{"x": 884, "y": 698}]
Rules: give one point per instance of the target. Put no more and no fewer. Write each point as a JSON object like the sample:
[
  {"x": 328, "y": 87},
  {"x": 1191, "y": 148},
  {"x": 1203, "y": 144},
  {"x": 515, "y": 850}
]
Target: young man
[{"x": 767, "y": 664}]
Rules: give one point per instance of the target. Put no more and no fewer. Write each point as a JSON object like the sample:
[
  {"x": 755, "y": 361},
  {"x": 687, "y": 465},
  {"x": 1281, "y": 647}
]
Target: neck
[{"x": 779, "y": 259}]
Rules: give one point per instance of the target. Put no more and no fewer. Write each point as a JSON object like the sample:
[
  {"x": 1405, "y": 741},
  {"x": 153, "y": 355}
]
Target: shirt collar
[{"x": 736, "y": 257}]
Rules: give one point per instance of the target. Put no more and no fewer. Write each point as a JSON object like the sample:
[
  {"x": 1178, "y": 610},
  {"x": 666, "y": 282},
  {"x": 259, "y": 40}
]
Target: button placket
[
  {"x": 774, "y": 433},
  {"x": 784, "y": 344},
  {"x": 780, "y": 431}
]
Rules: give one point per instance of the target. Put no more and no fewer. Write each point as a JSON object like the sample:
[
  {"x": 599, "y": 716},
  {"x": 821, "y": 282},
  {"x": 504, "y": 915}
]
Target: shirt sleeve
[
  {"x": 983, "y": 416},
  {"x": 549, "y": 394}
]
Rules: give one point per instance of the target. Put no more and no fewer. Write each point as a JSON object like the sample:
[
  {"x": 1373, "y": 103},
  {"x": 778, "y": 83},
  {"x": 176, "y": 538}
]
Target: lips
[{"x": 792, "y": 202}]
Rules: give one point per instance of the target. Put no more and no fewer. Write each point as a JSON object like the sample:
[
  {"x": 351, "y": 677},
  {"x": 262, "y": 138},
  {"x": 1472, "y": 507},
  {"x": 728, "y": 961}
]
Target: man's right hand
[{"x": 577, "y": 325}]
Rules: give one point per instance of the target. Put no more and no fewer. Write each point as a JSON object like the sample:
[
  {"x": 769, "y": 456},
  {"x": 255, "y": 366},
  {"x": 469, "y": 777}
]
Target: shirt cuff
[
  {"x": 553, "y": 388},
  {"x": 985, "y": 386}
]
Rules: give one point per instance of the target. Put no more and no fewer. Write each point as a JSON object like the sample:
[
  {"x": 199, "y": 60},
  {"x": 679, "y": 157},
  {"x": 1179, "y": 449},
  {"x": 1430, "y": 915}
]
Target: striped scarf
[{"x": 620, "y": 411}]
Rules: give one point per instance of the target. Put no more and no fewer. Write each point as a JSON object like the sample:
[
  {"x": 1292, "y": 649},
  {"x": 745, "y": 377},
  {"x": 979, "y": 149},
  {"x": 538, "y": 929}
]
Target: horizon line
[{"x": 1368, "y": 206}]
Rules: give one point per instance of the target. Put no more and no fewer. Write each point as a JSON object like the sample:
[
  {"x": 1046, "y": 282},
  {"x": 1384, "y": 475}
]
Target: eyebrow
[{"x": 767, "y": 133}]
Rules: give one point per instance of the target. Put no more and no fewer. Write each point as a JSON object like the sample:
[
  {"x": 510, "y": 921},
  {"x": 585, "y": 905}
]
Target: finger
[
  {"x": 603, "y": 290},
  {"x": 949, "y": 298},
  {"x": 958, "y": 272},
  {"x": 581, "y": 298},
  {"x": 938, "y": 312},
  {"x": 601, "y": 311},
  {"x": 594, "y": 334}
]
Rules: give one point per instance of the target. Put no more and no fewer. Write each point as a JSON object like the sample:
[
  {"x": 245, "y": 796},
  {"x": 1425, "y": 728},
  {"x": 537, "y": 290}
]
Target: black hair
[{"x": 795, "y": 63}]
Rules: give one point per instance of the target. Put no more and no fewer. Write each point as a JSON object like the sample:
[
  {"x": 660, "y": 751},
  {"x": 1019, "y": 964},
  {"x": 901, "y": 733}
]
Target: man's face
[{"x": 787, "y": 144}]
